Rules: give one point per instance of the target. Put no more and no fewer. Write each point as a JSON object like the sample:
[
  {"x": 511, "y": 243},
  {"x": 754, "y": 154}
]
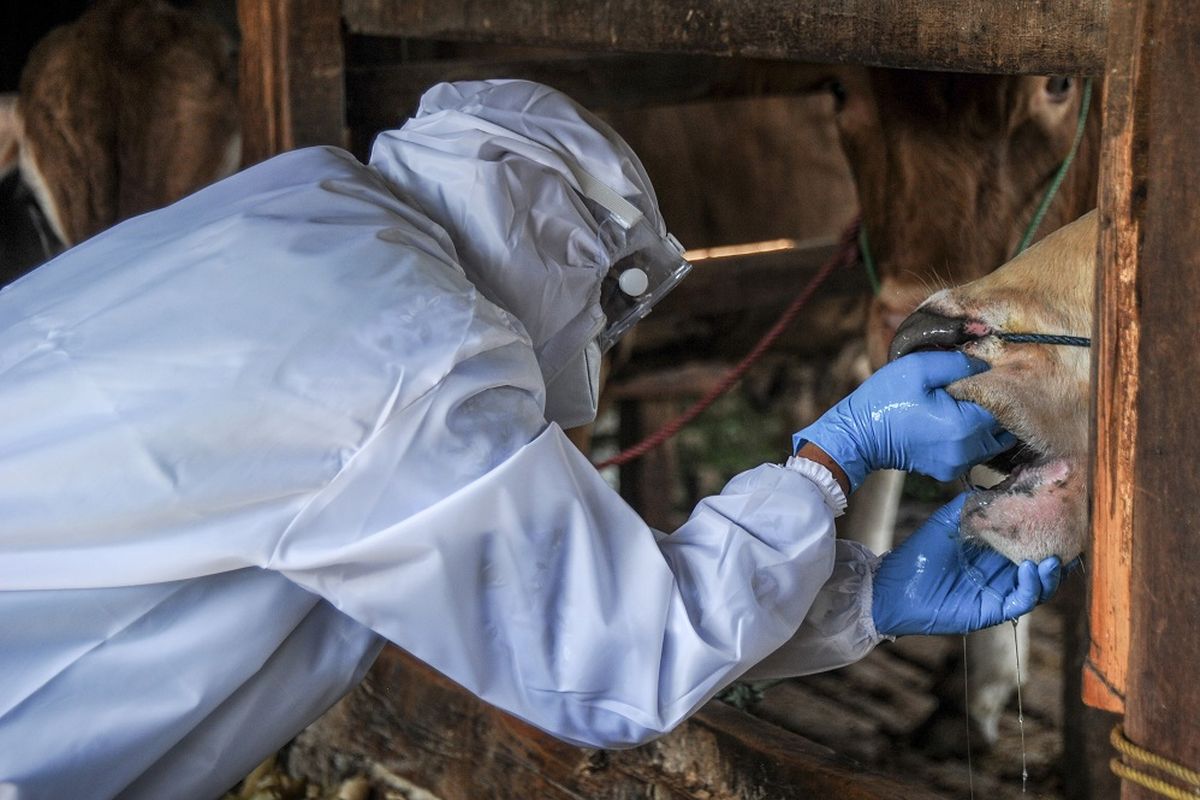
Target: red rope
[{"x": 845, "y": 255}]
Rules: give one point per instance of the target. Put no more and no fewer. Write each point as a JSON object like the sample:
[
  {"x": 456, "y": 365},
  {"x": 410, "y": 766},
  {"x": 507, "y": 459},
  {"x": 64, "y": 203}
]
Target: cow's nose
[{"x": 926, "y": 330}]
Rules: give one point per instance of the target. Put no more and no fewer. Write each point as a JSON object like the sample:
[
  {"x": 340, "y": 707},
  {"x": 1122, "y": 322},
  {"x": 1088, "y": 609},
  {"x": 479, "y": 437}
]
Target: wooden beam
[
  {"x": 1003, "y": 36},
  {"x": 726, "y": 304},
  {"x": 1152, "y": 250},
  {"x": 684, "y": 382},
  {"x": 412, "y": 722},
  {"x": 291, "y": 76},
  {"x": 380, "y": 96},
  {"x": 1114, "y": 363}
]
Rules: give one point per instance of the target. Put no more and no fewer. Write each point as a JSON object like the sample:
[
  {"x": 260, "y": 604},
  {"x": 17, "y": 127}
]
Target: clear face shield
[
  {"x": 647, "y": 266},
  {"x": 650, "y": 269}
]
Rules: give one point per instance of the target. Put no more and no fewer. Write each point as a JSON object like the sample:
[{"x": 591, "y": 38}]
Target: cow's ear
[{"x": 9, "y": 136}]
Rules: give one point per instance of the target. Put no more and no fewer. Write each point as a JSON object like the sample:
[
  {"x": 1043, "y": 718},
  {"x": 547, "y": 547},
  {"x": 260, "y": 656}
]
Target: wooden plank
[
  {"x": 1114, "y": 363},
  {"x": 291, "y": 76},
  {"x": 682, "y": 382},
  {"x": 1003, "y": 36},
  {"x": 415, "y": 723},
  {"x": 378, "y": 96},
  {"x": 1162, "y": 701},
  {"x": 725, "y": 304}
]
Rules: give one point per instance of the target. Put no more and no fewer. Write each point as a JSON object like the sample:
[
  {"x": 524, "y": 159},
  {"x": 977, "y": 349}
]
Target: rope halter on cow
[{"x": 1045, "y": 338}]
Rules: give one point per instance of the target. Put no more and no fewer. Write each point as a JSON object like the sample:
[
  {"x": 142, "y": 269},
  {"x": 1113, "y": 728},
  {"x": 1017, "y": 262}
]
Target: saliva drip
[
  {"x": 973, "y": 573},
  {"x": 967, "y": 719},
  {"x": 1020, "y": 710}
]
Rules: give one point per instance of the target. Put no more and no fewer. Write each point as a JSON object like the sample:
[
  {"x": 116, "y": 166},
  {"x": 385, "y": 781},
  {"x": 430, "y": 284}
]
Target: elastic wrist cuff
[{"x": 835, "y": 498}]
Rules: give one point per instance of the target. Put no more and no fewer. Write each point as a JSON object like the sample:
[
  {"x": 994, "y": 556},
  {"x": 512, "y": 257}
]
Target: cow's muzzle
[{"x": 926, "y": 330}]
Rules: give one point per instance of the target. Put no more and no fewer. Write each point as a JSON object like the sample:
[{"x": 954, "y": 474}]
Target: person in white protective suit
[{"x": 319, "y": 405}]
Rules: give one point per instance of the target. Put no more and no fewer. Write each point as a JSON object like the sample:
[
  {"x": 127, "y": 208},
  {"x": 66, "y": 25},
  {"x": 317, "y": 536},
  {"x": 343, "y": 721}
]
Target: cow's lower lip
[{"x": 1031, "y": 515}]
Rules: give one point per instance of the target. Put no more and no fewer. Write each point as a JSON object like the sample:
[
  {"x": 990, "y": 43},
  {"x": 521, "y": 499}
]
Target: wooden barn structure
[{"x": 301, "y": 86}]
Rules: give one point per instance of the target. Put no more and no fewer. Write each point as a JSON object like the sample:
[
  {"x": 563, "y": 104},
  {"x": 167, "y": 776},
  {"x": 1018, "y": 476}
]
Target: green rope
[
  {"x": 1043, "y": 208},
  {"x": 868, "y": 260},
  {"x": 1059, "y": 176}
]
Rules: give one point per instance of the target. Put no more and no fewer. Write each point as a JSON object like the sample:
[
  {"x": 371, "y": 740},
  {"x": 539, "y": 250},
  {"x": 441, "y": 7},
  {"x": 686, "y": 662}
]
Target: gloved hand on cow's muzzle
[
  {"x": 934, "y": 582},
  {"x": 902, "y": 417}
]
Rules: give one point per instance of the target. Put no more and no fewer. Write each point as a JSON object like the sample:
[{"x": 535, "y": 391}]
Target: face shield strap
[
  {"x": 624, "y": 212},
  {"x": 647, "y": 264}
]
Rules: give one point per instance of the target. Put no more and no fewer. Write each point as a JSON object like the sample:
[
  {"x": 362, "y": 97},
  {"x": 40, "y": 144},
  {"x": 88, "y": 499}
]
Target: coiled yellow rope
[{"x": 1190, "y": 777}]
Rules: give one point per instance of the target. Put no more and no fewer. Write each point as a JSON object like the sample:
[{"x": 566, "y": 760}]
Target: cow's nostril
[{"x": 926, "y": 330}]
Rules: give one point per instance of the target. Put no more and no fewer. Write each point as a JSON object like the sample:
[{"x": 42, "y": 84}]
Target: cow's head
[
  {"x": 949, "y": 169},
  {"x": 1037, "y": 391}
]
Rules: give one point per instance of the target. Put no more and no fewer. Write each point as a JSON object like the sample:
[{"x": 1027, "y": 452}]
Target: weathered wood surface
[
  {"x": 380, "y": 95},
  {"x": 1114, "y": 363},
  {"x": 291, "y": 76},
  {"x": 413, "y": 723},
  {"x": 1001, "y": 36},
  {"x": 1160, "y": 249}
]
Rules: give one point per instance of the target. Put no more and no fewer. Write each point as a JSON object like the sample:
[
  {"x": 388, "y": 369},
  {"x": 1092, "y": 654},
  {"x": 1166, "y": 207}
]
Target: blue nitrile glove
[
  {"x": 934, "y": 582},
  {"x": 903, "y": 418}
]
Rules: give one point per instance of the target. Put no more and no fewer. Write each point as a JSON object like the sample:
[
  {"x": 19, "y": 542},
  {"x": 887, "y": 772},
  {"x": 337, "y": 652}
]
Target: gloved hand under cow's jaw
[{"x": 1039, "y": 392}]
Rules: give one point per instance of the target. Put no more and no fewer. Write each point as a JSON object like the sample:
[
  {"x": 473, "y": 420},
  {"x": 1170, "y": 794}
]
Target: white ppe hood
[
  {"x": 248, "y": 434},
  {"x": 504, "y": 167}
]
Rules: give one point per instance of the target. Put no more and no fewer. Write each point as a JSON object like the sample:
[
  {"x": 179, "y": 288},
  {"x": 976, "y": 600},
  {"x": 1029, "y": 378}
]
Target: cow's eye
[
  {"x": 838, "y": 92},
  {"x": 1058, "y": 87}
]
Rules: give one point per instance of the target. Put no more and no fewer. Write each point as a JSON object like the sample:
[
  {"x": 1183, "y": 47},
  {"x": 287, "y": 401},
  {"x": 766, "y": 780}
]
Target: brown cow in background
[{"x": 127, "y": 109}]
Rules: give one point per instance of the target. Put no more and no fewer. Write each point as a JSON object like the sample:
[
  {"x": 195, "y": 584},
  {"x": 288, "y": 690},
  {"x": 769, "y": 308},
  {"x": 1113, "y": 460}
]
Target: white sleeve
[
  {"x": 538, "y": 589},
  {"x": 839, "y": 628}
]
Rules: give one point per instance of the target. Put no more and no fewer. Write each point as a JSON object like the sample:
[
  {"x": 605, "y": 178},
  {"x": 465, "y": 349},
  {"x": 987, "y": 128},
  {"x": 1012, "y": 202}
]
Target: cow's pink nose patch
[{"x": 977, "y": 329}]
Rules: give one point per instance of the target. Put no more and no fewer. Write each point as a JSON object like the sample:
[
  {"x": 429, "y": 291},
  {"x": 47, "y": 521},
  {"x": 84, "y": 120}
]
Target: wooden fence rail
[{"x": 1067, "y": 36}]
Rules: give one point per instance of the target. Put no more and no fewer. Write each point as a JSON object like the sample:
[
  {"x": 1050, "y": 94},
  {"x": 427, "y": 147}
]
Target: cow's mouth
[
  {"x": 1033, "y": 511},
  {"x": 1020, "y": 465}
]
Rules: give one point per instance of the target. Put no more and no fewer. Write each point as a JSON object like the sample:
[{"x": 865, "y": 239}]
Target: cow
[
  {"x": 127, "y": 109},
  {"x": 1038, "y": 391},
  {"x": 949, "y": 169}
]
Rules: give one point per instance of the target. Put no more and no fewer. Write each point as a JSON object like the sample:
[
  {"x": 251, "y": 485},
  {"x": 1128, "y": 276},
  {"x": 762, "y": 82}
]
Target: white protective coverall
[{"x": 251, "y": 435}]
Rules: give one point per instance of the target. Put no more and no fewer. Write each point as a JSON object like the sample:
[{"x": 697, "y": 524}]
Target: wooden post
[
  {"x": 1149, "y": 375},
  {"x": 1114, "y": 363},
  {"x": 648, "y": 483},
  {"x": 291, "y": 76}
]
